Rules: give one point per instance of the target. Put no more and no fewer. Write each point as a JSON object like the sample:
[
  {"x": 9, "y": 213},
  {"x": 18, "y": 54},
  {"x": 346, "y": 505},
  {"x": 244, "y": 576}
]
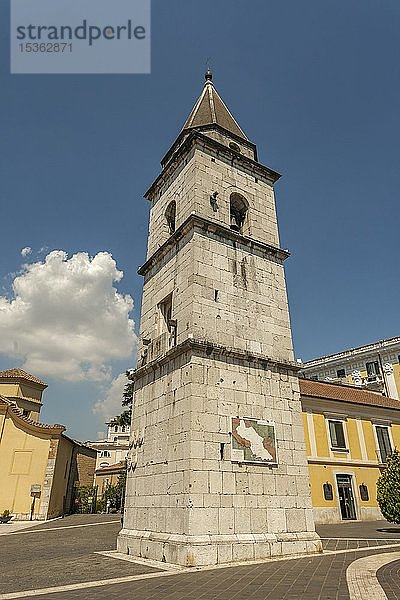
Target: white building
[
  {"x": 114, "y": 448},
  {"x": 374, "y": 366}
]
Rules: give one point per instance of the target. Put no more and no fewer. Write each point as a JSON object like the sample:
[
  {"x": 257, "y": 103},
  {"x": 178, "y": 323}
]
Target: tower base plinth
[{"x": 196, "y": 551}]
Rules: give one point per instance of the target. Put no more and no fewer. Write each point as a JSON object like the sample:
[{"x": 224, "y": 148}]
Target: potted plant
[{"x": 5, "y": 516}]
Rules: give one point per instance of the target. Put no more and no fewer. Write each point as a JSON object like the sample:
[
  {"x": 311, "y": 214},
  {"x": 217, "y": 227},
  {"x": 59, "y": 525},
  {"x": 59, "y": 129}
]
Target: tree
[
  {"x": 127, "y": 396},
  {"x": 127, "y": 399},
  {"x": 123, "y": 419},
  {"x": 388, "y": 488},
  {"x": 115, "y": 493}
]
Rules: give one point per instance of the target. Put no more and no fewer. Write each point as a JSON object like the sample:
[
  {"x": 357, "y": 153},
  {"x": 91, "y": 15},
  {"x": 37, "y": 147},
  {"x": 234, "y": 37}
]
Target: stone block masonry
[
  {"x": 188, "y": 503},
  {"x": 215, "y": 344}
]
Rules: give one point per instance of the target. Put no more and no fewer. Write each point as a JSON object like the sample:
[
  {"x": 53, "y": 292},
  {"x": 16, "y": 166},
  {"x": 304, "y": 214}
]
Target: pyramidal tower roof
[{"x": 210, "y": 109}]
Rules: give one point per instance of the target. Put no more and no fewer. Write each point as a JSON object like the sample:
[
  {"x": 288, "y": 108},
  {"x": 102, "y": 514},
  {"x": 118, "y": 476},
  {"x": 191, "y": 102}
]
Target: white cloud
[
  {"x": 111, "y": 404},
  {"x": 25, "y": 251},
  {"x": 66, "y": 319}
]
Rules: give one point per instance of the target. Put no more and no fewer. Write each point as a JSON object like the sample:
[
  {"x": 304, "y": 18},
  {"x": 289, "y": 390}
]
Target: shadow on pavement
[{"x": 395, "y": 530}]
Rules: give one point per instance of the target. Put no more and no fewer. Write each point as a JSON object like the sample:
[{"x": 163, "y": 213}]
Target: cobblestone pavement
[
  {"x": 64, "y": 553},
  {"x": 322, "y": 577},
  {"x": 360, "y": 530},
  {"x": 357, "y": 534},
  {"x": 338, "y": 544},
  {"x": 389, "y": 578}
]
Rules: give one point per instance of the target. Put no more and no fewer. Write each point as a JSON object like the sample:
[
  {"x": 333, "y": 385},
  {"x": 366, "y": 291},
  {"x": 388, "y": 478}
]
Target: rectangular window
[
  {"x": 385, "y": 447},
  {"x": 165, "y": 315},
  {"x": 336, "y": 432},
  {"x": 341, "y": 373},
  {"x": 167, "y": 325},
  {"x": 372, "y": 368}
]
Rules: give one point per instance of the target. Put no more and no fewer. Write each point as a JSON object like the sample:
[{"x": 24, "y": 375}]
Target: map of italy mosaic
[{"x": 253, "y": 441}]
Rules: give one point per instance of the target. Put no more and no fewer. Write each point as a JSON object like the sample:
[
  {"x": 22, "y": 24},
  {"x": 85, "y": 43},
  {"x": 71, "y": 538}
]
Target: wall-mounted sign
[
  {"x": 328, "y": 491},
  {"x": 253, "y": 441},
  {"x": 364, "y": 492},
  {"x": 36, "y": 488}
]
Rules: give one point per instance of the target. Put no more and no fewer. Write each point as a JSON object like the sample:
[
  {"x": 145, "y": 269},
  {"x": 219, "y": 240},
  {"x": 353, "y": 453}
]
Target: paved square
[{"x": 66, "y": 553}]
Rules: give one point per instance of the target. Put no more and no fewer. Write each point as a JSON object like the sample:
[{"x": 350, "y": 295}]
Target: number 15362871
[{"x": 45, "y": 47}]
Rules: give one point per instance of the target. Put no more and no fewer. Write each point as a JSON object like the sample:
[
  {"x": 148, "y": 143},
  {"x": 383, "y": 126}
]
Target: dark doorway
[{"x": 346, "y": 497}]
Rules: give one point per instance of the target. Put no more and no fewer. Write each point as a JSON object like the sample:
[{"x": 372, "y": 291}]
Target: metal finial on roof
[{"x": 211, "y": 110}]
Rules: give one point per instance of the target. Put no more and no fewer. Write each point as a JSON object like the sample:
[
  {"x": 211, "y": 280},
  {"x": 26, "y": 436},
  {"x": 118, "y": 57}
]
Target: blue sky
[{"x": 314, "y": 83}]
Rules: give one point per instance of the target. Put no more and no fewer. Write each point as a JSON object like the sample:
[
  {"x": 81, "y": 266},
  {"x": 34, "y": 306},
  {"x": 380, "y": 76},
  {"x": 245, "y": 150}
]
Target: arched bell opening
[{"x": 238, "y": 208}]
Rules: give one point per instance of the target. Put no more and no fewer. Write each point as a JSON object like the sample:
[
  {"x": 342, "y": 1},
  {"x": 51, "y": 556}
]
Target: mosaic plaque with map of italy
[{"x": 253, "y": 441}]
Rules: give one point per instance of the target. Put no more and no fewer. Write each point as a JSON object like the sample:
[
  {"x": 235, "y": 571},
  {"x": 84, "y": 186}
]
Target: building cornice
[
  {"x": 108, "y": 445},
  {"x": 195, "y": 139},
  {"x": 210, "y": 350},
  {"x": 26, "y": 398},
  {"x": 341, "y": 462},
  {"x": 354, "y": 353},
  {"x": 206, "y": 226}
]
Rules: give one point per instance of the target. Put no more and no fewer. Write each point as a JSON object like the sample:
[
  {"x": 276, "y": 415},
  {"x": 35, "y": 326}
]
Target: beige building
[
  {"x": 39, "y": 463},
  {"x": 374, "y": 366},
  {"x": 106, "y": 476}
]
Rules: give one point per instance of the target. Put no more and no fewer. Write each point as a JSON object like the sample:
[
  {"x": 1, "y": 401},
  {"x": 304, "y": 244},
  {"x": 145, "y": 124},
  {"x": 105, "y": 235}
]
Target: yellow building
[
  {"x": 349, "y": 433},
  {"x": 374, "y": 366},
  {"x": 107, "y": 476},
  {"x": 39, "y": 464}
]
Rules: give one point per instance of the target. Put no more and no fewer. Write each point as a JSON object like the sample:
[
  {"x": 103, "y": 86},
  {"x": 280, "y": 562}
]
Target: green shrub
[{"x": 388, "y": 488}]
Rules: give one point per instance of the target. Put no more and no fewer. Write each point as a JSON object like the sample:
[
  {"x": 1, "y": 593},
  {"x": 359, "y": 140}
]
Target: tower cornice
[
  {"x": 205, "y": 225},
  {"x": 209, "y": 127},
  {"x": 198, "y": 140},
  {"x": 212, "y": 350}
]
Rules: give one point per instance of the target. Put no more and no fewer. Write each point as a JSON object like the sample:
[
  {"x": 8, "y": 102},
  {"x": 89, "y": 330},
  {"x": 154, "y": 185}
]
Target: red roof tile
[
  {"x": 121, "y": 466},
  {"x": 19, "y": 413},
  {"x": 20, "y": 374},
  {"x": 345, "y": 393}
]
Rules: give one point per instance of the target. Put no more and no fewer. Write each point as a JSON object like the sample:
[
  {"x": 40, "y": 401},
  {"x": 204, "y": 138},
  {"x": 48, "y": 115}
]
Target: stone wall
[
  {"x": 185, "y": 483},
  {"x": 191, "y": 184},
  {"x": 86, "y": 465},
  {"x": 228, "y": 354}
]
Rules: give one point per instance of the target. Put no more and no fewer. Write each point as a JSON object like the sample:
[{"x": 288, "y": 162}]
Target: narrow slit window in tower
[{"x": 170, "y": 215}]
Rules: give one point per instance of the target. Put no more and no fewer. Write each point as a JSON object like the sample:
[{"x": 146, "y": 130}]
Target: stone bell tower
[{"x": 217, "y": 468}]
